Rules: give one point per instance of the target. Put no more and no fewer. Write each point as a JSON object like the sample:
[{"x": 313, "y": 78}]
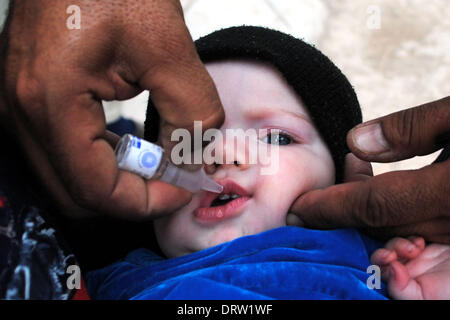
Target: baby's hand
[{"x": 413, "y": 270}]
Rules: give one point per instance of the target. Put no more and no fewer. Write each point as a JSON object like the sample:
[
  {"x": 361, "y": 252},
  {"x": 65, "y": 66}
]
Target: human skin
[
  {"x": 53, "y": 82},
  {"x": 397, "y": 203},
  {"x": 413, "y": 270},
  {"x": 254, "y": 96}
]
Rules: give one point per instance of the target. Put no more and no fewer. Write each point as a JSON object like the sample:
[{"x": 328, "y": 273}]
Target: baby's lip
[{"x": 229, "y": 186}]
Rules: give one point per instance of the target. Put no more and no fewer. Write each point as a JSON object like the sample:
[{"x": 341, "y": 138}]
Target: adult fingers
[
  {"x": 395, "y": 201},
  {"x": 180, "y": 86},
  {"x": 54, "y": 88},
  {"x": 434, "y": 230},
  {"x": 390, "y": 199},
  {"x": 404, "y": 134},
  {"x": 356, "y": 169}
]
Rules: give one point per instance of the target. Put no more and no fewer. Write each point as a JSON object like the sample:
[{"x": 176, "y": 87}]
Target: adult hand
[
  {"x": 402, "y": 203},
  {"x": 56, "y": 78}
]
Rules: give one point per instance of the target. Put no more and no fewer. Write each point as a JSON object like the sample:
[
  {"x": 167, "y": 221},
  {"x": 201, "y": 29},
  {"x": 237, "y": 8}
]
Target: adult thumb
[{"x": 412, "y": 132}]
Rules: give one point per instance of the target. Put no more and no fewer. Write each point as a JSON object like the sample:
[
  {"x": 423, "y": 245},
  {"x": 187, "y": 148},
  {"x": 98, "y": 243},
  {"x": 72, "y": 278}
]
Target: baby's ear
[{"x": 293, "y": 220}]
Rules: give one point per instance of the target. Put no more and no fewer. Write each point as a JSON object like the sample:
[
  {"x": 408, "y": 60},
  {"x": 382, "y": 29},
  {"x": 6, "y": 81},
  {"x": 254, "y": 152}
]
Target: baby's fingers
[
  {"x": 400, "y": 284},
  {"x": 406, "y": 249},
  {"x": 418, "y": 241},
  {"x": 383, "y": 258}
]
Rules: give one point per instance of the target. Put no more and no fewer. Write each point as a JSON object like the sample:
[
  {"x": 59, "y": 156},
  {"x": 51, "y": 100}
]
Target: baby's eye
[{"x": 278, "y": 138}]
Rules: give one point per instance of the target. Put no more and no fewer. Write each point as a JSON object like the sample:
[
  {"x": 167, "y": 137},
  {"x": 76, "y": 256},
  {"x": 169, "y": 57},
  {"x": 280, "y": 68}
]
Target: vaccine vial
[{"x": 149, "y": 161}]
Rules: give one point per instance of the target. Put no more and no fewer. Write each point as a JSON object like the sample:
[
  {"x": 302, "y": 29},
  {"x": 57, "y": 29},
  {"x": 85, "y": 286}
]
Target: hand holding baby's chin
[{"x": 413, "y": 270}]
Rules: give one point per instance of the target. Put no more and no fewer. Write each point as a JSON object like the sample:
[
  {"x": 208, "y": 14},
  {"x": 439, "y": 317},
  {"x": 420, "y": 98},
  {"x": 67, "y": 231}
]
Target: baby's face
[{"x": 254, "y": 96}]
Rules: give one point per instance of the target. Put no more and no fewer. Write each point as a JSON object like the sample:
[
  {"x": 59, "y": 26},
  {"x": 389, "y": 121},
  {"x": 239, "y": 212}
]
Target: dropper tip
[{"x": 212, "y": 186}]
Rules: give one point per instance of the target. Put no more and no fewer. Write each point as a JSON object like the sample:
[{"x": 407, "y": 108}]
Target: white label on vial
[{"x": 143, "y": 158}]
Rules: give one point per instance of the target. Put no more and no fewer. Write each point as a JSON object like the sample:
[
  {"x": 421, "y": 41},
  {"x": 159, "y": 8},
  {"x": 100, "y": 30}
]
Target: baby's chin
[
  {"x": 215, "y": 238},
  {"x": 189, "y": 238},
  {"x": 206, "y": 242},
  {"x": 223, "y": 237}
]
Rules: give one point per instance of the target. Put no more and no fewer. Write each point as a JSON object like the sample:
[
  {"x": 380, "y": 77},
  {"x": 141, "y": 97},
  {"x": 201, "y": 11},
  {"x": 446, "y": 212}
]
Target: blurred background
[{"x": 395, "y": 53}]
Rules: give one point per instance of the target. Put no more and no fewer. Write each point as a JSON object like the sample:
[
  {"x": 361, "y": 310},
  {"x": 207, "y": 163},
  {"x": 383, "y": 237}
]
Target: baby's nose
[
  {"x": 229, "y": 153},
  {"x": 212, "y": 168}
]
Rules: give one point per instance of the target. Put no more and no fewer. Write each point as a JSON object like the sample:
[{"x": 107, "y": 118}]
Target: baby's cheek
[
  {"x": 299, "y": 171},
  {"x": 294, "y": 177},
  {"x": 309, "y": 170},
  {"x": 274, "y": 195}
]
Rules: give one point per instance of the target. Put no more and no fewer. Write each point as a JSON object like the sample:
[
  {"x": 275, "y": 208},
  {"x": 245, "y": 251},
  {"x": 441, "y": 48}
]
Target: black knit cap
[{"x": 327, "y": 94}]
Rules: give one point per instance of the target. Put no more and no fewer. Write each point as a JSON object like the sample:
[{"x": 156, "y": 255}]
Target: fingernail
[
  {"x": 293, "y": 220},
  {"x": 384, "y": 254},
  {"x": 369, "y": 139}
]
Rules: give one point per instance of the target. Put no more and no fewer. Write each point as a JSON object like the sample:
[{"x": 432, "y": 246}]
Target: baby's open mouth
[
  {"x": 223, "y": 199},
  {"x": 217, "y": 207}
]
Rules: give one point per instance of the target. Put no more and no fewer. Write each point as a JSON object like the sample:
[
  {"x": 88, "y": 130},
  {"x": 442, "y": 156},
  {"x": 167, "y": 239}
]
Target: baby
[
  {"x": 266, "y": 82},
  {"x": 254, "y": 96},
  {"x": 298, "y": 101}
]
